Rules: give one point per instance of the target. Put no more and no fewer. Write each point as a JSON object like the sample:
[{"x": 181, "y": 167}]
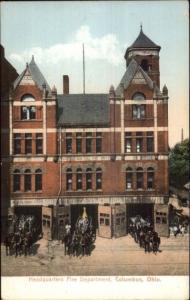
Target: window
[
  {"x": 39, "y": 143},
  {"x": 150, "y": 141},
  {"x": 38, "y": 180},
  {"x": 144, "y": 65},
  {"x": 150, "y": 178},
  {"x": 27, "y": 181},
  {"x": 139, "y": 178},
  {"x": 98, "y": 142},
  {"x": 79, "y": 179},
  {"x": 89, "y": 179},
  {"x": 138, "y": 96},
  {"x": 78, "y": 143},
  {"x": 28, "y": 143},
  {"x": 17, "y": 143},
  {"x": 104, "y": 219},
  {"x": 161, "y": 218},
  {"x": 28, "y": 112},
  {"x": 128, "y": 142},
  {"x": 99, "y": 179},
  {"x": 139, "y": 142},
  {"x": 27, "y": 98},
  {"x": 16, "y": 180},
  {"x": 138, "y": 111},
  {"x": 129, "y": 178},
  {"x": 69, "y": 178},
  {"x": 68, "y": 142},
  {"x": 88, "y": 142}
]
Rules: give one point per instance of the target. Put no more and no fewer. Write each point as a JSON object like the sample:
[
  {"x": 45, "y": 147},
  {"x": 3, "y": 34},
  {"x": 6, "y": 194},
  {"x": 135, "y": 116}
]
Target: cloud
[{"x": 105, "y": 48}]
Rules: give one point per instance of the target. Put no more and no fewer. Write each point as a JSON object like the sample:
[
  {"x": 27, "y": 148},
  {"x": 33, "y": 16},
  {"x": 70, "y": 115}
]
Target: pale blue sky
[{"x": 54, "y": 33}]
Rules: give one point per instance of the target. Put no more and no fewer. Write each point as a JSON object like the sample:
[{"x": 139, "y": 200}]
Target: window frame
[
  {"x": 38, "y": 180},
  {"x": 39, "y": 139},
  {"x": 98, "y": 179},
  {"x": 27, "y": 180},
  {"x": 79, "y": 179},
  {"x": 28, "y": 143},
  {"x": 69, "y": 180},
  {"x": 140, "y": 172},
  {"x": 69, "y": 142},
  {"x": 16, "y": 175},
  {"x": 17, "y": 142}
]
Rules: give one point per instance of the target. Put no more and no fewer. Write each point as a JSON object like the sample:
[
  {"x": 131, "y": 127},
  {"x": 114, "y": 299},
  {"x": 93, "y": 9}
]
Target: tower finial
[{"x": 141, "y": 26}]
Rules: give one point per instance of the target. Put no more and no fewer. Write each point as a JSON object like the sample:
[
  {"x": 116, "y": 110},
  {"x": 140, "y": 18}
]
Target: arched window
[
  {"x": 98, "y": 178},
  {"x": 16, "y": 180},
  {"x": 140, "y": 178},
  {"x": 144, "y": 65},
  {"x": 79, "y": 179},
  {"x": 27, "y": 98},
  {"x": 38, "y": 180},
  {"x": 138, "y": 96},
  {"x": 69, "y": 179},
  {"x": 89, "y": 179},
  {"x": 129, "y": 178},
  {"x": 150, "y": 178},
  {"x": 27, "y": 180}
]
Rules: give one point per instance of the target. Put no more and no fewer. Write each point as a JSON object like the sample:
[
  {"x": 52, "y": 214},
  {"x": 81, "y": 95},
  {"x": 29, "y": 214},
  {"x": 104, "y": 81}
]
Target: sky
[{"x": 54, "y": 33}]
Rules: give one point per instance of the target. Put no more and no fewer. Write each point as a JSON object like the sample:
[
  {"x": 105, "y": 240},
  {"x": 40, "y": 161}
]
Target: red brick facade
[{"x": 125, "y": 162}]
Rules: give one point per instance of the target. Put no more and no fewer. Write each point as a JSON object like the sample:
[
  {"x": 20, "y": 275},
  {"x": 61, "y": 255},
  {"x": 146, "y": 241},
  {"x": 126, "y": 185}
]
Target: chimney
[{"x": 65, "y": 84}]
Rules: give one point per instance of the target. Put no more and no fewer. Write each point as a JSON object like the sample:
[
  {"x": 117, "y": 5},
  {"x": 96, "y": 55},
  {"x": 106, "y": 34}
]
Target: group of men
[{"x": 146, "y": 237}]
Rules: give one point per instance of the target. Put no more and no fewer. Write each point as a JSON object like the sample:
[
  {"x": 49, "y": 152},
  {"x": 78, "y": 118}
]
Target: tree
[{"x": 179, "y": 164}]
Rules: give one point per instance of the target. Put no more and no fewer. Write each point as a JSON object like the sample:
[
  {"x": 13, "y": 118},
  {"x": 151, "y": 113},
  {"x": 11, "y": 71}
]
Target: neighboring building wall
[{"x": 8, "y": 75}]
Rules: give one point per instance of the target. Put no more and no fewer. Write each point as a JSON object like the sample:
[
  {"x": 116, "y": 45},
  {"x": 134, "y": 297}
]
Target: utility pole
[{"x": 182, "y": 135}]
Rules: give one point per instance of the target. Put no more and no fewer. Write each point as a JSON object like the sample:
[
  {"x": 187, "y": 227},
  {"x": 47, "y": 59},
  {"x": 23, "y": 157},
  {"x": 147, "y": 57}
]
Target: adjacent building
[
  {"x": 7, "y": 75},
  {"x": 105, "y": 152}
]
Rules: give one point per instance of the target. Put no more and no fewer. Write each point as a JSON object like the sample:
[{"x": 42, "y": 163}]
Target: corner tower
[{"x": 146, "y": 53}]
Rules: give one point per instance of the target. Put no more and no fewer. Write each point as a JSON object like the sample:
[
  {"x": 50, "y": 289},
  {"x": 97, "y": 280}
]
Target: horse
[
  {"x": 155, "y": 242},
  {"x": 141, "y": 238},
  {"x": 75, "y": 243},
  {"x": 83, "y": 243},
  {"x": 17, "y": 244},
  {"x": 8, "y": 243},
  {"x": 67, "y": 243},
  {"x": 147, "y": 240}
]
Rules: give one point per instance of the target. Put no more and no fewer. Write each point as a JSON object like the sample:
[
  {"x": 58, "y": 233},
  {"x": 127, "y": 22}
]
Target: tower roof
[
  {"x": 142, "y": 41},
  {"x": 36, "y": 75}
]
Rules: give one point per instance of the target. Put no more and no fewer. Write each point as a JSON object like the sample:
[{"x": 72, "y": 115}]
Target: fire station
[{"x": 105, "y": 152}]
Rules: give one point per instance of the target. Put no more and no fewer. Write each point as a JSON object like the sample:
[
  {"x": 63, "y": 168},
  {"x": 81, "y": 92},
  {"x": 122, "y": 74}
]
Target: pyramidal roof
[
  {"x": 142, "y": 41},
  {"x": 33, "y": 70}
]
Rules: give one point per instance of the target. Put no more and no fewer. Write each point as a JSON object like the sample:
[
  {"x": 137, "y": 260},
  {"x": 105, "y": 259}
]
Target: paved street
[{"x": 110, "y": 257}]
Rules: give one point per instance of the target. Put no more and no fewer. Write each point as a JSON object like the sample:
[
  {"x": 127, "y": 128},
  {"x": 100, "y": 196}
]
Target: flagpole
[{"x": 83, "y": 69}]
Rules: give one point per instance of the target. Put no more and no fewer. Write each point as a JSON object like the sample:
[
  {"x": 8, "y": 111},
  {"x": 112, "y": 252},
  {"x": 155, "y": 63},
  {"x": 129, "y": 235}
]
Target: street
[{"x": 112, "y": 257}]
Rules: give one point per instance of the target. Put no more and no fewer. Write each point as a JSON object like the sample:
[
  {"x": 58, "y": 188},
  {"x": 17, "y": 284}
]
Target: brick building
[
  {"x": 7, "y": 75},
  {"x": 107, "y": 152}
]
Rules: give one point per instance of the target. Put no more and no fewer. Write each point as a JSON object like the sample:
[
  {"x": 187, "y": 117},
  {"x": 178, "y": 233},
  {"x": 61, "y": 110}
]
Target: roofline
[{"x": 137, "y": 48}]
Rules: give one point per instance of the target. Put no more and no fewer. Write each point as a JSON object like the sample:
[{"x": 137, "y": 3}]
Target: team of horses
[
  {"x": 19, "y": 243},
  {"x": 22, "y": 233},
  {"x": 79, "y": 243},
  {"x": 145, "y": 236}
]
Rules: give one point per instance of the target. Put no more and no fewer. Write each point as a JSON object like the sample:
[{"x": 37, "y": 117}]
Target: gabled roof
[
  {"x": 36, "y": 75},
  {"x": 142, "y": 41},
  {"x": 132, "y": 69},
  {"x": 83, "y": 109}
]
